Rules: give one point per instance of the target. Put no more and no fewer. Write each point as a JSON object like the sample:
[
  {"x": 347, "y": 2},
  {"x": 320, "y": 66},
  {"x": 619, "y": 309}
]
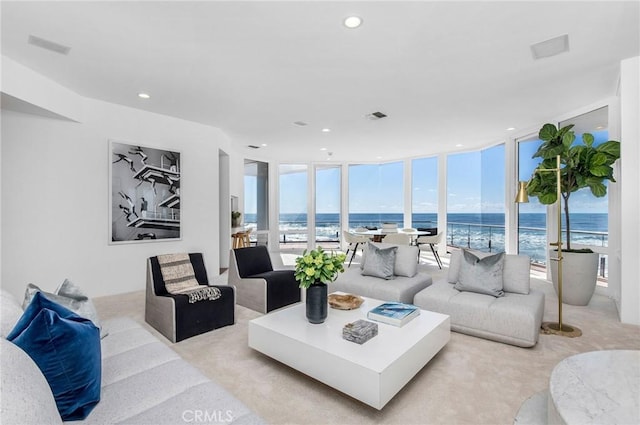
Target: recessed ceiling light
[
  {"x": 323, "y": 149},
  {"x": 326, "y": 130},
  {"x": 378, "y": 157},
  {"x": 352, "y": 22},
  {"x": 511, "y": 128},
  {"x": 459, "y": 145},
  {"x": 143, "y": 96},
  {"x": 264, "y": 144},
  {"x": 600, "y": 127}
]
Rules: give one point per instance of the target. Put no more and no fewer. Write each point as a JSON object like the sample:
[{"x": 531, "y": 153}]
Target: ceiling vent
[
  {"x": 49, "y": 45},
  {"x": 253, "y": 146},
  {"x": 300, "y": 123},
  {"x": 551, "y": 47},
  {"x": 375, "y": 116}
]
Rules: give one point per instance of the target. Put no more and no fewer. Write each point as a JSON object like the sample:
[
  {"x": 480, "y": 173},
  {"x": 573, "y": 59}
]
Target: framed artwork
[{"x": 144, "y": 193}]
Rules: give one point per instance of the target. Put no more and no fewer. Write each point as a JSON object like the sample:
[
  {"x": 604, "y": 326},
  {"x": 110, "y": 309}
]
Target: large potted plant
[
  {"x": 313, "y": 271},
  {"x": 582, "y": 165}
]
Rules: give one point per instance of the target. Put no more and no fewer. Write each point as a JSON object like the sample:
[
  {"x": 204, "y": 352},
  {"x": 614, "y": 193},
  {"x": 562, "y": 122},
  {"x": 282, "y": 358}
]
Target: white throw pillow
[{"x": 26, "y": 395}]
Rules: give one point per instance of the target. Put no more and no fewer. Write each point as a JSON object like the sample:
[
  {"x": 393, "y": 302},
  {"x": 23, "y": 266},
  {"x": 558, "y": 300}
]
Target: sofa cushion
[
  {"x": 66, "y": 348},
  {"x": 513, "y": 319},
  {"x": 379, "y": 261},
  {"x": 70, "y": 296},
  {"x": 481, "y": 275},
  {"x": 10, "y": 312},
  {"x": 406, "y": 263},
  {"x": 401, "y": 289},
  {"x": 516, "y": 276}
]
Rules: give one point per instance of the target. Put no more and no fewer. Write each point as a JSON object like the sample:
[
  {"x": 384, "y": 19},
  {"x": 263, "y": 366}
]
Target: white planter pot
[{"x": 579, "y": 276}]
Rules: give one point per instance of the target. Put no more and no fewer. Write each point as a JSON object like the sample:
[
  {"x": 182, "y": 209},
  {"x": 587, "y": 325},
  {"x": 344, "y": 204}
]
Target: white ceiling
[{"x": 445, "y": 73}]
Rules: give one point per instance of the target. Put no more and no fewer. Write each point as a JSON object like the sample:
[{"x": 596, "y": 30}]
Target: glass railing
[{"x": 532, "y": 241}]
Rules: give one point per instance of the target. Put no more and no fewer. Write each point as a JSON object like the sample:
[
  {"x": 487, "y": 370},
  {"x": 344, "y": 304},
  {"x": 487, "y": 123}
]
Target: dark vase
[{"x": 317, "y": 303}]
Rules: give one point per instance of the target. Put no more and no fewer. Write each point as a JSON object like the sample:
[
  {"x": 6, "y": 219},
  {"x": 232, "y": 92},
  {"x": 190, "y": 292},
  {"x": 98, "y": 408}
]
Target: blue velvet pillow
[{"x": 66, "y": 348}]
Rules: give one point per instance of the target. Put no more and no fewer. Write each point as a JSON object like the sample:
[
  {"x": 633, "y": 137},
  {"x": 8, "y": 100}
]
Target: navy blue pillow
[{"x": 66, "y": 348}]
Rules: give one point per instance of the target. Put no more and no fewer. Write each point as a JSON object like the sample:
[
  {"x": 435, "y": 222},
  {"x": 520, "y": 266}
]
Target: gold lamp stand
[{"x": 553, "y": 328}]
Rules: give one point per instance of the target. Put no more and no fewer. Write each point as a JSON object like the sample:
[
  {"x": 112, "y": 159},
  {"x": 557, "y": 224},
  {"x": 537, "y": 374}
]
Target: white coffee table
[{"x": 373, "y": 372}]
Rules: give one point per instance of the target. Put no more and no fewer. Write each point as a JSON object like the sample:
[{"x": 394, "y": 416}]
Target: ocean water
[{"x": 484, "y": 232}]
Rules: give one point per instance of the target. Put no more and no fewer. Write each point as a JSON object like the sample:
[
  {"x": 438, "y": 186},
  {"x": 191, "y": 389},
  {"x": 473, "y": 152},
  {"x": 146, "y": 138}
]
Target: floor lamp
[{"x": 555, "y": 328}]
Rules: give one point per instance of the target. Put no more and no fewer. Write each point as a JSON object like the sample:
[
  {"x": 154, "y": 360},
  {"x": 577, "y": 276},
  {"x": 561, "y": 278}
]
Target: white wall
[
  {"x": 55, "y": 199},
  {"x": 630, "y": 190}
]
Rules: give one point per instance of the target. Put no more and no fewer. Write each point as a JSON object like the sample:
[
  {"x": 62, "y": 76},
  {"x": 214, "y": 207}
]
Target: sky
[{"x": 475, "y": 185}]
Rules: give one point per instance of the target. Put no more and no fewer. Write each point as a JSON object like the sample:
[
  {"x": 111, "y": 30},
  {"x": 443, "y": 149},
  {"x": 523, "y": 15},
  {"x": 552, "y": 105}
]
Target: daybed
[
  {"x": 513, "y": 318},
  {"x": 403, "y": 283},
  {"x": 143, "y": 382}
]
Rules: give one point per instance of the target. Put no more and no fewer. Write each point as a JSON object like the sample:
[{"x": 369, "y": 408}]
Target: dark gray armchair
[
  {"x": 177, "y": 319},
  {"x": 258, "y": 286}
]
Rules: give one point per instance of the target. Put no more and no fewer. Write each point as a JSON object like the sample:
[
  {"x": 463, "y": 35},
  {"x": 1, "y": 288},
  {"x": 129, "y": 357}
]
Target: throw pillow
[
  {"x": 481, "y": 275},
  {"x": 380, "y": 262},
  {"x": 26, "y": 395},
  {"x": 70, "y": 296},
  {"x": 66, "y": 348},
  {"x": 406, "y": 263}
]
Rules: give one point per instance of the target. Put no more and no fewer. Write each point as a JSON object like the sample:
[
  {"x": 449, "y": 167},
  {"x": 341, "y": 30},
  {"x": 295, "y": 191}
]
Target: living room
[{"x": 56, "y": 159}]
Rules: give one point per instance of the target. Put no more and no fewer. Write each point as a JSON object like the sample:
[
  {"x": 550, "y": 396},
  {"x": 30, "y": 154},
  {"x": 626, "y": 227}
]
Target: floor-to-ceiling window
[
  {"x": 256, "y": 200},
  {"x": 327, "y": 204},
  {"x": 424, "y": 191},
  {"x": 376, "y": 195},
  {"x": 475, "y": 199},
  {"x": 292, "y": 222},
  {"x": 532, "y": 216}
]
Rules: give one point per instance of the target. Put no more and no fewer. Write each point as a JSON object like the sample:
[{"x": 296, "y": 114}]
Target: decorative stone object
[
  {"x": 359, "y": 331},
  {"x": 345, "y": 301}
]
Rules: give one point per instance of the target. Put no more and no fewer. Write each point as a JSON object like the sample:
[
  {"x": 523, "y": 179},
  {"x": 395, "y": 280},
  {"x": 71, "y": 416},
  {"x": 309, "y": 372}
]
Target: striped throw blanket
[{"x": 180, "y": 278}]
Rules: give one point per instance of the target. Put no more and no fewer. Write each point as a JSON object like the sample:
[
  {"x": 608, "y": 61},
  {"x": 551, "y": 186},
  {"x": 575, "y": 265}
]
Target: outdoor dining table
[{"x": 379, "y": 234}]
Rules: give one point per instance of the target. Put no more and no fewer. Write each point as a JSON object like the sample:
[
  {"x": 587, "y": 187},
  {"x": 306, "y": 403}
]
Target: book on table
[{"x": 397, "y": 314}]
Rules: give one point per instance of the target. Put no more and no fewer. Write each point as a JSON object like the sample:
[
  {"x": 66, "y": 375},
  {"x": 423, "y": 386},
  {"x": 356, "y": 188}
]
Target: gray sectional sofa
[
  {"x": 514, "y": 318},
  {"x": 143, "y": 382},
  {"x": 405, "y": 284}
]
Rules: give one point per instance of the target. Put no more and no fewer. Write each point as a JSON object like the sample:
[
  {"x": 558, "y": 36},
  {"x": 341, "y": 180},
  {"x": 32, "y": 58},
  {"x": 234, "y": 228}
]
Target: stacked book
[{"x": 397, "y": 314}]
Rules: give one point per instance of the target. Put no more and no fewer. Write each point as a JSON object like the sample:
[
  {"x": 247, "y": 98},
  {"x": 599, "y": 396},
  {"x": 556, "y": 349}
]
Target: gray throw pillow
[
  {"x": 406, "y": 263},
  {"x": 380, "y": 262},
  {"x": 70, "y": 296},
  {"x": 481, "y": 275}
]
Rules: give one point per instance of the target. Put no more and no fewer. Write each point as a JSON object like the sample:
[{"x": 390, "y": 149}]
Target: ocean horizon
[{"x": 481, "y": 231}]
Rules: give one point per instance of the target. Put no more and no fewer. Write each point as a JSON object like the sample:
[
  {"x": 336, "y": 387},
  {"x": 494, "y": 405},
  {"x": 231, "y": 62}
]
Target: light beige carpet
[{"x": 471, "y": 381}]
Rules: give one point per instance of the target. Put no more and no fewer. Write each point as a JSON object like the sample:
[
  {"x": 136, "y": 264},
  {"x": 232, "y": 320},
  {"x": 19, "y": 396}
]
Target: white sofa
[
  {"x": 406, "y": 283},
  {"x": 143, "y": 382},
  {"x": 514, "y": 318}
]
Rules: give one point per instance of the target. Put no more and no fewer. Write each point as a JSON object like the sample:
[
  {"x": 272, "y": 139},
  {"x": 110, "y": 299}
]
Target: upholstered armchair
[
  {"x": 258, "y": 286},
  {"x": 174, "y": 316}
]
